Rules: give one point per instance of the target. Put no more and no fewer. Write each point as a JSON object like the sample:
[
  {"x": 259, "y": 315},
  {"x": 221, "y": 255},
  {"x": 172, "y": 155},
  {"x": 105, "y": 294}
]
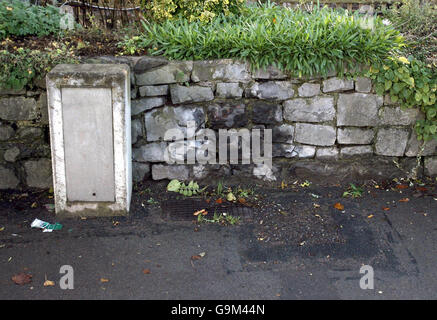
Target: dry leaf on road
[
  {"x": 22, "y": 278},
  {"x": 338, "y": 206}
]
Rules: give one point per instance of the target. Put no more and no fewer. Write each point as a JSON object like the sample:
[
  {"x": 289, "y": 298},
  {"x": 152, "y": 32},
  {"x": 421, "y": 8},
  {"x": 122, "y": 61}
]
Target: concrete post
[{"x": 90, "y": 135}]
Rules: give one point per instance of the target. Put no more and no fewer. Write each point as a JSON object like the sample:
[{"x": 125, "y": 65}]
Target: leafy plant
[
  {"x": 353, "y": 191},
  {"x": 187, "y": 190},
  {"x": 417, "y": 20},
  {"x": 222, "y": 218},
  {"x": 20, "y": 18},
  {"x": 199, "y": 10},
  {"x": 413, "y": 84},
  {"x": 299, "y": 42},
  {"x": 22, "y": 67}
]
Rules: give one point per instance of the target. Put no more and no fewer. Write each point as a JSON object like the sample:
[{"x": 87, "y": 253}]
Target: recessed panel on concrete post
[{"x": 89, "y": 113}]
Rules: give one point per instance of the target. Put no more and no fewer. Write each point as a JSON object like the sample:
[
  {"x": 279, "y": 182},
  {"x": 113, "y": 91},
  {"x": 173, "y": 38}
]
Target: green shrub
[
  {"x": 299, "y": 42},
  {"x": 201, "y": 10},
  {"x": 412, "y": 84},
  {"x": 20, "y": 18},
  {"x": 21, "y": 67},
  {"x": 417, "y": 20}
]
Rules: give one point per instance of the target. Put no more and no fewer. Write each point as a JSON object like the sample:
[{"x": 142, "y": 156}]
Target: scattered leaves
[
  {"x": 22, "y": 278},
  {"x": 49, "y": 283},
  {"x": 203, "y": 212},
  {"x": 339, "y": 206}
]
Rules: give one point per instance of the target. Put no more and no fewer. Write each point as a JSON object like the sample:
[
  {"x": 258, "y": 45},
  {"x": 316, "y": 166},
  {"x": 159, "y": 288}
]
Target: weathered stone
[
  {"x": 271, "y": 90},
  {"x": 38, "y": 173},
  {"x": 431, "y": 166},
  {"x": 151, "y": 152},
  {"x": 266, "y": 112},
  {"x": 229, "y": 90},
  {"x": 158, "y": 121},
  {"x": 6, "y": 132},
  {"x": 12, "y": 92},
  {"x": 335, "y": 84},
  {"x": 264, "y": 172},
  {"x": 283, "y": 133},
  {"x": 172, "y": 72},
  {"x": 153, "y": 91},
  {"x": 133, "y": 93},
  {"x": 18, "y": 108},
  {"x": 147, "y": 63},
  {"x": 43, "y": 108},
  {"x": 363, "y": 84},
  {"x": 316, "y": 109},
  {"x": 8, "y": 179},
  {"x": 12, "y": 154},
  {"x": 309, "y": 90},
  {"x": 283, "y": 150},
  {"x": 318, "y": 135},
  {"x": 413, "y": 146},
  {"x": 304, "y": 152},
  {"x": 358, "y": 109},
  {"x": 398, "y": 116},
  {"x": 391, "y": 142},
  {"x": 140, "y": 171},
  {"x": 183, "y": 94},
  {"x": 136, "y": 130},
  {"x": 227, "y": 115},
  {"x": 354, "y": 136},
  {"x": 330, "y": 153},
  {"x": 348, "y": 152},
  {"x": 180, "y": 172},
  {"x": 224, "y": 70},
  {"x": 29, "y": 133},
  {"x": 269, "y": 73},
  {"x": 144, "y": 104}
]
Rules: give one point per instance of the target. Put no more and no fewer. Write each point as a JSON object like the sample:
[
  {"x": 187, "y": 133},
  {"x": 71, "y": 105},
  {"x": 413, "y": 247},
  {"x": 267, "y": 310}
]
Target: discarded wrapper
[{"x": 47, "y": 227}]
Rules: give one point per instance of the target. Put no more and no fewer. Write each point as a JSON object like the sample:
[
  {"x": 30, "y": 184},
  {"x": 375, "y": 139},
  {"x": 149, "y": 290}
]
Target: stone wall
[{"x": 322, "y": 129}]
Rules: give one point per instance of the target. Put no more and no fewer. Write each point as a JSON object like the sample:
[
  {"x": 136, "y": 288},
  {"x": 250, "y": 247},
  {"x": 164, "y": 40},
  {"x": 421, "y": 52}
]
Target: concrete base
[{"x": 90, "y": 133}]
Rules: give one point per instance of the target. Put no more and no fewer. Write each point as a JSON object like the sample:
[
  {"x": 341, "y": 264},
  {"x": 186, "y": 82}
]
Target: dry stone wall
[{"x": 322, "y": 128}]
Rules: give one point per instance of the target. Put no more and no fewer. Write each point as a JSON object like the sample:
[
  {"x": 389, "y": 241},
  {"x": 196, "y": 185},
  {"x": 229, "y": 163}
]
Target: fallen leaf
[
  {"x": 203, "y": 212},
  {"x": 22, "y": 278},
  {"x": 103, "y": 280},
  {"x": 422, "y": 189},
  {"x": 202, "y": 254},
  {"x": 2, "y": 228},
  {"x": 34, "y": 205},
  {"x": 338, "y": 206},
  {"x": 401, "y": 186},
  {"x": 146, "y": 271},
  {"x": 219, "y": 201},
  {"x": 196, "y": 257},
  {"x": 242, "y": 200},
  {"x": 370, "y": 216},
  {"x": 49, "y": 283},
  {"x": 385, "y": 208},
  {"x": 404, "y": 200}
]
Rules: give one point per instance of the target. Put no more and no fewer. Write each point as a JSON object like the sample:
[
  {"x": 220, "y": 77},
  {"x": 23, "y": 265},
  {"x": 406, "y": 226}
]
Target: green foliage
[
  {"x": 21, "y": 67},
  {"x": 296, "y": 41},
  {"x": 187, "y": 190},
  {"x": 223, "y": 218},
  {"x": 193, "y": 10},
  {"x": 20, "y": 18},
  {"x": 353, "y": 191},
  {"x": 417, "y": 20},
  {"x": 411, "y": 83}
]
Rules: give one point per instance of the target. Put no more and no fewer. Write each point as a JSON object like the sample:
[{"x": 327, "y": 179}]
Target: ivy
[{"x": 413, "y": 84}]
